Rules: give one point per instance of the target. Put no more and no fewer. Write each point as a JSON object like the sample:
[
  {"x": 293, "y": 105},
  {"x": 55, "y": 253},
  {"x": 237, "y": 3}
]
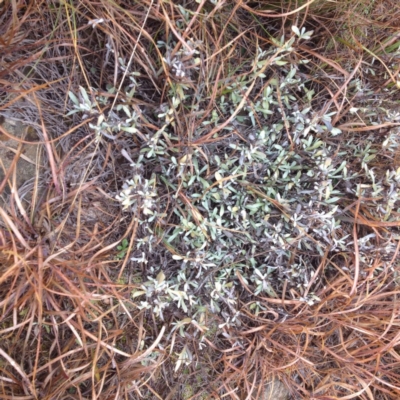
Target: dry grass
[{"x": 69, "y": 327}]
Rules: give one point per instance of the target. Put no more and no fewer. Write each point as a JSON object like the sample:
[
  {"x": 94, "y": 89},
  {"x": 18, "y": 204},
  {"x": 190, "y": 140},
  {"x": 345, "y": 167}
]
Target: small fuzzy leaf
[
  {"x": 335, "y": 131},
  {"x": 296, "y": 30},
  {"x": 84, "y": 95},
  {"x": 184, "y": 159},
  {"x": 73, "y": 98},
  {"x": 138, "y": 293},
  {"x": 129, "y": 129},
  {"x": 160, "y": 277}
]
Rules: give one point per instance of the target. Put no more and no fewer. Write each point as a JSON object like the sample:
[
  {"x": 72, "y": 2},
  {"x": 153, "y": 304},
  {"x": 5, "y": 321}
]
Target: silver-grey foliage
[{"x": 259, "y": 208}]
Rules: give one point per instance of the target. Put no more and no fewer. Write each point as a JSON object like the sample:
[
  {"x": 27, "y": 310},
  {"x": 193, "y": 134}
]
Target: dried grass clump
[{"x": 256, "y": 252}]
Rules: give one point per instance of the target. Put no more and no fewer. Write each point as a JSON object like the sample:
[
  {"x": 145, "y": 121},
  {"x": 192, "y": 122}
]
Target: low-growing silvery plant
[{"x": 257, "y": 209}]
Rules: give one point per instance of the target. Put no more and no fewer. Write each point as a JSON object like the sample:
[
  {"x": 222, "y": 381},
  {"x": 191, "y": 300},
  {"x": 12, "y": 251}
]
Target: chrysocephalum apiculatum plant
[{"x": 258, "y": 208}]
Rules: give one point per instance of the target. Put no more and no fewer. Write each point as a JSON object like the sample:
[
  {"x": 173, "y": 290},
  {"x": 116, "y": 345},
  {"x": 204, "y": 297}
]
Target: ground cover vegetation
[{"x": 214, "y": 210}]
